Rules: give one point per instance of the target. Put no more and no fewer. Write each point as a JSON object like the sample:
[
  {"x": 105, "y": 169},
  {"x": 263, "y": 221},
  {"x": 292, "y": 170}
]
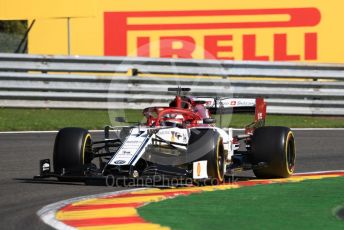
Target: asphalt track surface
[{"x": 21, "y": 197}]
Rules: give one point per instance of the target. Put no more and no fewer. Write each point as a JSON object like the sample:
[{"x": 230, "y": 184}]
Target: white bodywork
[
  {"x": 199, "y": 170},
  {"x": 141, "y": 138},
  {"x": 227, "y": 102},
  {"x": 137, "y": 141}
]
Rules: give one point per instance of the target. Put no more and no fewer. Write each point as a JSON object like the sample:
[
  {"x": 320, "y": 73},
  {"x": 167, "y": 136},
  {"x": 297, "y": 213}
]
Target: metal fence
[{"x": 90, "y": 82}]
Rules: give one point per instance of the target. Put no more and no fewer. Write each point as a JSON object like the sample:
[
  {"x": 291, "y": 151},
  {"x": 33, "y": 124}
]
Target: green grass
[
  {"x": 53, "y": 119},
  {"x": 306, "y": 205},
  {"x": 292, "y": 121}
]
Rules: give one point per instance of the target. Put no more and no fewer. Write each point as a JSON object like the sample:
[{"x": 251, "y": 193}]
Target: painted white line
[
  {"x": 48, "y": 213},
  {"x": 319, "y": 172},
  {"x": 307, "y": 129},
  {"x": 38, "y": 132},
  {"x": 318, "y": 129},
  {"x": 26, "y": 132},
  {"x": 235, "y": 129}
]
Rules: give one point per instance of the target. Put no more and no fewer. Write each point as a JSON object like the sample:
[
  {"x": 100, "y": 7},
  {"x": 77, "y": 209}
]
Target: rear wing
[{"x": 226, "y": 105}]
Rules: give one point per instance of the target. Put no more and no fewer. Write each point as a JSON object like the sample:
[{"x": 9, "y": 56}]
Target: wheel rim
[
  {"x": 290, "y": 154},
  {"x": 220, "y": 161},
  {"x": 87, "y": 150}
]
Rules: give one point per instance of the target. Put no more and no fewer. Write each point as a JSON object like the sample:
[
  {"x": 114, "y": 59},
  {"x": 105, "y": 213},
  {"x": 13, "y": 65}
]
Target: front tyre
[
  {"x": 208, "y": 144},
  {"x": 274, "y": 146},
  {"x": 72, "y": 151}
]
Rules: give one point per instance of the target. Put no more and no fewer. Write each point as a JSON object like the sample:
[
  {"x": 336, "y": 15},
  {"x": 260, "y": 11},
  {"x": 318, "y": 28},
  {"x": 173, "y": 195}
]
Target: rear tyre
[
  {"x": 208, "y": 145},
  {"x": 276, "y": 147},
  {"x": 72, "y": 151}
]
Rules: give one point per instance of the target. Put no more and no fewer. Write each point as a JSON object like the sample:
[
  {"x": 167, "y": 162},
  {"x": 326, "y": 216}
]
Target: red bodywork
[
  {"x": 188, "y": 113},
  {"x": 182, "y": 110}
]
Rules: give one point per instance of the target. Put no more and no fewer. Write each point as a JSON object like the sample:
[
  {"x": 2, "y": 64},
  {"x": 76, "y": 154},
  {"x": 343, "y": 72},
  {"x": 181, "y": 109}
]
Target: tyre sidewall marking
[
  {"x": 84, "y": 147},
  {"x": 217, "y": 160},
  {"x": 290, "y": 135}
]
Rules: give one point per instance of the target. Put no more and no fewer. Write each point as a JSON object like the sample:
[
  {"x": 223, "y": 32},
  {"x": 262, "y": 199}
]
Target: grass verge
[
  {"x": 305, "y": 205},
  {"x": 53, "y": 119}
]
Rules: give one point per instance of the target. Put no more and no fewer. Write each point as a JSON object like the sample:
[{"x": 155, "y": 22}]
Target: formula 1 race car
[{"x": 178, "y": 142}]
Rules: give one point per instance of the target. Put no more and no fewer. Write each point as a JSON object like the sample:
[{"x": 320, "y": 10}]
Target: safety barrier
[{"x": 99, "y": 83}]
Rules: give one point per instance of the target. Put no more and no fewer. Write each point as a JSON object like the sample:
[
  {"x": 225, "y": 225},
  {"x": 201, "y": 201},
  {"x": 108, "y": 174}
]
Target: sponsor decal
[
  {"x": 119, "y": 162},
  {"x": 176, "y": 135},
  {"x": 132, "y": 142},
  {"x": 130, "y": 150},
  {"x": 238, "y": 103},
  {"x": 209, "y": 103},
  {"x": 173, "y": 136},
  {"x": 260, "y": 116},
  {"x": 46, "y": 167},
  {"x": 126, "y": 153},
  {"x": 164, "y": 131},
  {"x": 246, "y": 103},
  {"x": 245, "y": 30},
  {"x": 198, "y": 169}
]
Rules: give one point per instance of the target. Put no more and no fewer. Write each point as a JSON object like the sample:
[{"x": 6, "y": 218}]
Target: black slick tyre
[
  {"x": 72, "y": 150},
  {"x": 208, "y": 144},
  {"x": 275, "y": 146}
]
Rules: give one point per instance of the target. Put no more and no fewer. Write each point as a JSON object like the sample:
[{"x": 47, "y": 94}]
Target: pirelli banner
[{"x": 267, "y": 30}]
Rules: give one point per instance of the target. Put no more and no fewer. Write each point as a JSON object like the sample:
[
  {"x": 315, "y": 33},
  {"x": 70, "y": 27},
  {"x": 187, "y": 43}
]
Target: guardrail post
[{"x": 133, "y": 72}]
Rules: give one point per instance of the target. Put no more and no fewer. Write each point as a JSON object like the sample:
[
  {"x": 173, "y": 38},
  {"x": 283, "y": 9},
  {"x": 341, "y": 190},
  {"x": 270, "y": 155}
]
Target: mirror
[{"x": 209, "y": 120}]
